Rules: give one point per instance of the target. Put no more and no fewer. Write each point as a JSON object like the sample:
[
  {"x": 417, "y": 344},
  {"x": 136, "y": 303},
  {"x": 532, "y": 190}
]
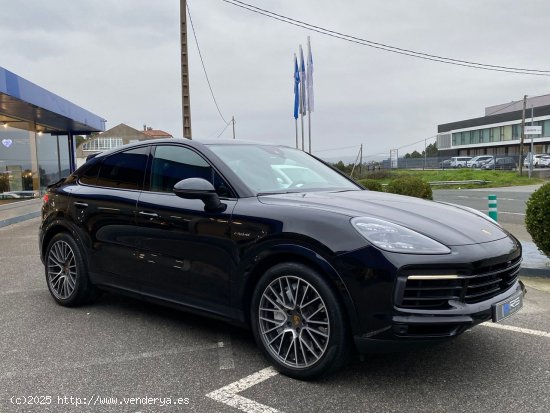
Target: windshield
[{"x": 275, "y": 169}]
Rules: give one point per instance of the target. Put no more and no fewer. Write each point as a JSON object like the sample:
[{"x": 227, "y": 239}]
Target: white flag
[
  {"x": 303, "y": 83},
  {"x": 309, "y": 78}
]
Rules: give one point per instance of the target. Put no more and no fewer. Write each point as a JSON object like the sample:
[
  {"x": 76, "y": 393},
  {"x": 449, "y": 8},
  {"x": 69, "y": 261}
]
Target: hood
[{"x": 447, "y": 223}]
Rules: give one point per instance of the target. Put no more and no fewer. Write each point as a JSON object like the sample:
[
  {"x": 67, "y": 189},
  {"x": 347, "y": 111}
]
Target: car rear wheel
[
  {"x": 299, "y": 322},
  {"x": 66, "y": 272}
]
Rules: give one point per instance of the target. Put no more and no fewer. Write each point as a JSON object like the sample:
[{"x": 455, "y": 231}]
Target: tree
[
  {"x": 414, "y": 154},
  {"x": 342, "y": 167},
  {"x": 431, "y": 150},
  {"x": 79, "y": 139}
]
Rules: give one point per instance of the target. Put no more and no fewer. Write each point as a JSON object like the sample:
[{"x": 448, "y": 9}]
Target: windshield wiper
[{"x": 278, "y": 193}]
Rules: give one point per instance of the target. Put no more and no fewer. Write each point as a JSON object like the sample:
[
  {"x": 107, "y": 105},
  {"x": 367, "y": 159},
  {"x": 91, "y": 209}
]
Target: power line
[
  {"x": 203, "y": 66},
  {"x": 507, "y": 106},
  {"x": 388, "y": 48},
  {"x": 380, "y": 153},
  {"x": 335, "y": 149},
  {"x": 223, "y": 130},
  {"x": 416, "y": 143}
]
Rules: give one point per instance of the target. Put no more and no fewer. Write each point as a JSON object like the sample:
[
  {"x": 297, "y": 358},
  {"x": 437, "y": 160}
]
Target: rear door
[{"x": 104, "y": 206}]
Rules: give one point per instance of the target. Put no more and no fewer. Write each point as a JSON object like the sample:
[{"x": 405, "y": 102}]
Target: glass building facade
[
  {"x": 37, "y": 130},
  {"x": 30, "y": 161},
  {"x": 499, "y": 132}
]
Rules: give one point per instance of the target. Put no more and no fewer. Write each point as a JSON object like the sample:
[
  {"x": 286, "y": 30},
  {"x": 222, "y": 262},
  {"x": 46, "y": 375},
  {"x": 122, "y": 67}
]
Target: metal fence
[{"x": 425, "y": 163}]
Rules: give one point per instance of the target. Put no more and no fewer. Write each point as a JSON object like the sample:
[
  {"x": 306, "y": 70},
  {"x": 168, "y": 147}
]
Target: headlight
[{"x": 396, "y": 238}]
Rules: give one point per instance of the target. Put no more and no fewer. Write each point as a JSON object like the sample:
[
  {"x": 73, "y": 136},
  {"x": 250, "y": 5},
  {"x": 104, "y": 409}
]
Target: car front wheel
[
  {"x": 298, "y": 322},
  {"x": 66, "y": 272}
]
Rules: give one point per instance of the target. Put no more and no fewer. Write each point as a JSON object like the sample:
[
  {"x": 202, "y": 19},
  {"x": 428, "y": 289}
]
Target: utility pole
[
  {"x": 425, "y": 154},
  {"x": 522, "y": 137},
  {"x": 185, "y": 97},
  {"x": 360, "y": 160},
  {"x": 531, "y": 158},
  {"x": 233, "y": 122}
]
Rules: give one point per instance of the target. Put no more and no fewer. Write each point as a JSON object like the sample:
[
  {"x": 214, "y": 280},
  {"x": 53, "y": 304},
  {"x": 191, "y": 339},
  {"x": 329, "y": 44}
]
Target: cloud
[{"x": 121, "y": 60}]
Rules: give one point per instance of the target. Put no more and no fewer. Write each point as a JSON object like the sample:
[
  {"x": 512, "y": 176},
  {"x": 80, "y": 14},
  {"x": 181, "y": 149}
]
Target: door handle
[
  {"x": 149, "y": 214},
  {"x": 81, "y": 205}
]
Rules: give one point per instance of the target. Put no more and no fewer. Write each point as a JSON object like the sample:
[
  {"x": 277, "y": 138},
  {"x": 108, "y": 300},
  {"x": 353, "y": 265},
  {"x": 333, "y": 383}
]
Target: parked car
[
  {"x": 501, "y": 163},
  {"x": 537, "y": 160},
  {"x": 314, "y": 266},
  {"x": 544, "y": 161},
  {"x": 459, "y": 161},
  {"x": 445, "y": 164},
  {"x": 478, "y": 161},
  {"x": 9, "y": 195}
]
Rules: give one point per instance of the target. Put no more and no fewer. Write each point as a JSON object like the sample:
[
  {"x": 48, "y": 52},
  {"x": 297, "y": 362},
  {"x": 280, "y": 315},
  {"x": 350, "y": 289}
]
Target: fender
[
  {"x": 262, "y": 256},
  {"x": 56, "y": 225}
]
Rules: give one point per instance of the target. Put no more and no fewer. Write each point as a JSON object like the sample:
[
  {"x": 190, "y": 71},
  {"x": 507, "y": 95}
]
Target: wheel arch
[
  {"x": 54, "y": 228},
  {"x": 301, "y": 255}
]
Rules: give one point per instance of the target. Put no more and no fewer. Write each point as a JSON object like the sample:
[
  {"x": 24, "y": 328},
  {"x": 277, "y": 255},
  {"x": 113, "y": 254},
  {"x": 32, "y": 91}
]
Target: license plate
[{"x": 507, "y": 307}]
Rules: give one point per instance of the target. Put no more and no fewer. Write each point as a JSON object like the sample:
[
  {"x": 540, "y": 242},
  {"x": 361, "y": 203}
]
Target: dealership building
[
  {"x": 37, "y": 136},
  {"x": 498, "y": 132}
]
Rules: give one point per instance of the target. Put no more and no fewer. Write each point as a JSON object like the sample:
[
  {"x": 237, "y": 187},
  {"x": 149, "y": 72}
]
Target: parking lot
[{"x": 122, "y": 355}]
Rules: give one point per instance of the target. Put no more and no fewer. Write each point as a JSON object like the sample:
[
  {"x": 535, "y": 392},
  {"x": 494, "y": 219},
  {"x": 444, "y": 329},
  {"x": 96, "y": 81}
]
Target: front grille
[{"x": 473, "y": 288}]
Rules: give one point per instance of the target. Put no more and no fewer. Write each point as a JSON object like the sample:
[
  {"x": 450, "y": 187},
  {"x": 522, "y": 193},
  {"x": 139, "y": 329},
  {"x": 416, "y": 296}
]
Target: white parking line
[
  {"x": 228, "y": 394},
  {"x": 517, "y": 329},
  {"x": 504, "y": 212}
]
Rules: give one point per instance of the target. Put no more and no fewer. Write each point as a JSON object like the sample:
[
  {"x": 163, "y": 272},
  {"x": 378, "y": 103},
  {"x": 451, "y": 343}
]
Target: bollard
[{"x": 493, "y": 210}]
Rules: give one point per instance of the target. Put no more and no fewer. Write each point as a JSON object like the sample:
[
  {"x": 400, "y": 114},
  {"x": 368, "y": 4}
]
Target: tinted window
[
  {"x": 124, "y": 169},
  {"x": 171, "y": 164},
  {"x": 89, "y": 176}
]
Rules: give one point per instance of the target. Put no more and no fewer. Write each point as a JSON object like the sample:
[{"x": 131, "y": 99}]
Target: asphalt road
[
  {"x": 122, "y": 348},
  {"x": 511, "y": 200}
]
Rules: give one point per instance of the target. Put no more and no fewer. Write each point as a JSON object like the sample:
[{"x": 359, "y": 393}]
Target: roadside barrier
[{"x": 493, "y": 208}]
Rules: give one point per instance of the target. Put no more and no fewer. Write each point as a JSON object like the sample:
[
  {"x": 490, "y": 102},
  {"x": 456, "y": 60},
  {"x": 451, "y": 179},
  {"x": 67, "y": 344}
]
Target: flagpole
[
  {"x": 296, "y": 122},
  {"x": 309, "y": 80},
  {"x": 302, "y": 118},
  {"x": 309, "y": 129},
  {"x": 303, "y": 102}
]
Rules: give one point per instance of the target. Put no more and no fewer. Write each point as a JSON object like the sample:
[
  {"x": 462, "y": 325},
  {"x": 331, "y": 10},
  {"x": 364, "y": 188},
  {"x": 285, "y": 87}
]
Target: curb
[
  {"x": 15, "y": 220},
  {"x": 534, "y": 272}
]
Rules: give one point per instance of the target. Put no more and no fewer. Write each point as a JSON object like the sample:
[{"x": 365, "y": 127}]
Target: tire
[
  {"x": 67, "y": 273},
  {"x": 303, "y": 332}
]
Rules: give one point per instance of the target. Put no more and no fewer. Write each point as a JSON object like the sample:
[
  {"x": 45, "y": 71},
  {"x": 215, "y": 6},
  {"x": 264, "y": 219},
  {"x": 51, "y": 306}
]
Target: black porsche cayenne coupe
[{"x": 272, "y": 238}]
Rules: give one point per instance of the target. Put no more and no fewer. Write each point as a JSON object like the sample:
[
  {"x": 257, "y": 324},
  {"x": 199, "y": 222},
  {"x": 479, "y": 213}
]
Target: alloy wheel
[
  {"x": 294, "y": 322},
  {"x": 61, "y": 269}
]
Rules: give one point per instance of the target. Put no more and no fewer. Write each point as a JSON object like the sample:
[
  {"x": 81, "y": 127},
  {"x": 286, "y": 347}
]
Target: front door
[{"x": 187, "y": 253}]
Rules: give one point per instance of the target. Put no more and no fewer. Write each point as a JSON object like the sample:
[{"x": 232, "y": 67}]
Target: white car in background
[
  {"x": 477, "y": 161},
  {"x": 459, "y": 161},
  {"x": 537, "y": 160},
  {"x": 544, "y": 161}
]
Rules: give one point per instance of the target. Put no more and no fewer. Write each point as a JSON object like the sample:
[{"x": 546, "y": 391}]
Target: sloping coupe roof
[{"x": 26, "y": 101}]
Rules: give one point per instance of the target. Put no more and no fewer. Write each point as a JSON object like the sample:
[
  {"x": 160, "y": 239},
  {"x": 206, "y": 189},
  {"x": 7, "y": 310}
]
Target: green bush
[
  {"x": 411, "y": 186},
  {"x": 378, "y": 174},
  {"x": 372, "y": 185},
  {"x": 537, "y": 218}
]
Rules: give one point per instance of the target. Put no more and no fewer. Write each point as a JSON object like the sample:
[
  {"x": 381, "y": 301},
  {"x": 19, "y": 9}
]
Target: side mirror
[{"x": 198, "y": 188}]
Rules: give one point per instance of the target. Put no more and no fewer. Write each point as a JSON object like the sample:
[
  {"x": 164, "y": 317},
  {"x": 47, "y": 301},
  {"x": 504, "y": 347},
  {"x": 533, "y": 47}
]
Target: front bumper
[
  {"x": 408, "y": 330},
  {"x": 380, "y": 319}
]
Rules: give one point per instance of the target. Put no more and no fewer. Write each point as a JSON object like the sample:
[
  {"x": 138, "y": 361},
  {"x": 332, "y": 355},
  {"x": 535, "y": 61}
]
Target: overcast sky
[{"x": 120, "y": 59}]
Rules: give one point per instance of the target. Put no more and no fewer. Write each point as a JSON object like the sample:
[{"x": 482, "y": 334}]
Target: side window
[
  {"x": 171, "y": 164},
  {"x": 124, "y": 169},
  {"x": 89, "y": 177}
]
